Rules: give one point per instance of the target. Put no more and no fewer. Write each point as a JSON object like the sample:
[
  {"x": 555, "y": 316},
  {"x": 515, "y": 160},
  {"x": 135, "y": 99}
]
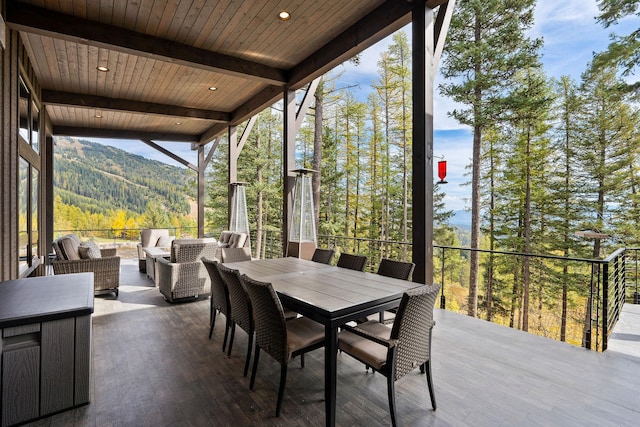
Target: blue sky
[{"x": 571, "y": 36}]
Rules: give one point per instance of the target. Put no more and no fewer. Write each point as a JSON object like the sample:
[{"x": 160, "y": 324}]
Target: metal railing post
[
  {"x": 604, "y": 306},
  {"x": 443, "y": 299}
]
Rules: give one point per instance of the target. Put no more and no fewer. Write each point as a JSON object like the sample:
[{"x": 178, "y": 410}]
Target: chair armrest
[
  {"x": 108, "y": 252},
  {"x": 86, "y": 265},
  {"x": 141, "y": 253},
  {"x": 364, "y": 334}
]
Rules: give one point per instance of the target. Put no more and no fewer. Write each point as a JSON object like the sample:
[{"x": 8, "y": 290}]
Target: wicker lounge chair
[
  {"x": 184, "y": 275},
  {"x": 152, "y": 238},
  {"x": 71, "y": 258}
]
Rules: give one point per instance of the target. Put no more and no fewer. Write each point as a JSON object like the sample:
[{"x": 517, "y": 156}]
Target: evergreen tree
[
  {"x": 486, "y": 45},
  {"x": 623, "y": 51}
]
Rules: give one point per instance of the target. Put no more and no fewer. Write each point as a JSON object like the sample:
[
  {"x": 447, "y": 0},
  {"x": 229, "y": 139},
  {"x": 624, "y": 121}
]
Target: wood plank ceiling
[{"x": 164, "y": 55}]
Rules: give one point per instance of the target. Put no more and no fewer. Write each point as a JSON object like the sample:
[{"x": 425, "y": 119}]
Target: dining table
[{"x": 329, "y": 295}]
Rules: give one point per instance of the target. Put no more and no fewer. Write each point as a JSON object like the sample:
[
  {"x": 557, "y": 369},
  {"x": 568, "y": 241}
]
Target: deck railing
[{"x": 586, "y": 318}]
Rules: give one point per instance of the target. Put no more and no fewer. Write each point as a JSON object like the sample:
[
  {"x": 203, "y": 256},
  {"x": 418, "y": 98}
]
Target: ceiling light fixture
[
  {"x": 102, "y": 68},
  {"x": 98, "y": 116},
  {"x": 284, "y": 15},
  {"x": 178, "y": 123},
  {"x": 212, "y": 88}
]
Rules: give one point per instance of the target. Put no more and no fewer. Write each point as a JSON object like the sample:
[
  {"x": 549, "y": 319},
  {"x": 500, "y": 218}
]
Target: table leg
[{"x": 330, "y": 367}]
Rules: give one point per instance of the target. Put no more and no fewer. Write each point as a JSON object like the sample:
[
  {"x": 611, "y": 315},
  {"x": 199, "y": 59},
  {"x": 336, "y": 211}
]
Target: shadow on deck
[{"x": 153, "y": 365}]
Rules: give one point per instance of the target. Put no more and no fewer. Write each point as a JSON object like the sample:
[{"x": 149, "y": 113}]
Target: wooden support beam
[
  {"x": 51, "y": 97},
  {"x": 246, "y": 132},
  {"x": 306, "y": 103},
  {"x": 265, "y": 98},
  {"x": 212, "y": 151},
  {"x": 122, "y": 134},
  {"x": 170, "y": 154},
  {"x": 35, "y": 20},
  {"x": 381, "y": 22},
  {"x": 441, "y": 28}
]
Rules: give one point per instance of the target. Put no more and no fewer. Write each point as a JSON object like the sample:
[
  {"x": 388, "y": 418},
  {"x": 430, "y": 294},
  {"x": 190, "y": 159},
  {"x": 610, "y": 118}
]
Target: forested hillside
[{"x": 97, "y": 186}]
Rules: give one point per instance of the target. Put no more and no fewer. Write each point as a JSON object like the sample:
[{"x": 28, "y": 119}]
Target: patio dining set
[{"x": 291, "y": 306}]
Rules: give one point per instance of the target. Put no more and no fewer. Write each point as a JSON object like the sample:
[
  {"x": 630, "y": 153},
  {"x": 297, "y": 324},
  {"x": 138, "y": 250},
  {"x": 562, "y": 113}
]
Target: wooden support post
[
  {"x": 422, "y": 231},
  {"x": 233, "y": 167},
  {"x": 202, "y": 166},
  {"x": 288, "y": 163}
]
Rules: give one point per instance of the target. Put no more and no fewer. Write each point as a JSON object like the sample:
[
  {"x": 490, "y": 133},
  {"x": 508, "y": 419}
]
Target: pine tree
[
  {"x": 623, "y": 51},
  {"x": 486, "y": 45}
]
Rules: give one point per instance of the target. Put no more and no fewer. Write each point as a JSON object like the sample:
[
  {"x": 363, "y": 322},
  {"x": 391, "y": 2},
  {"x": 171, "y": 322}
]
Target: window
[
  {"x": 28, "y": 178},
  {"x": 35, "y": 127},
  {"x": 24, "y": 102}
]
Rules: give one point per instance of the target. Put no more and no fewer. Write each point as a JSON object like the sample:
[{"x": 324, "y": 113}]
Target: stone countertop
[{"x": 46, "y": 298}]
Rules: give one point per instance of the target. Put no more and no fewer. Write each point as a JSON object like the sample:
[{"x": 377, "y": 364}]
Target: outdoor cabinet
[{"x": 45, "y": 326}]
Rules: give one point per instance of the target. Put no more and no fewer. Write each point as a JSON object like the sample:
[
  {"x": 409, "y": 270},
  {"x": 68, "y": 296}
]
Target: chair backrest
[
  {"x": 352, "y": 262},
  {"x": 396, "y": 269},
  {"x": 224, "y": 237},
  {"x": 241, "y": 311},
  {"x": 219, "y": 291},
  {"x": 271, "y": 329},
  {"x": 149, "y": 237},
  {"x": 323, "y": 255},
  {"x": 190, "y": 250},
  {"x": 235, "y": 254},
  {"x": 237, "y": 240},
  {"x": 66, "y": 247},
  {"x": 412, "y": 328}
]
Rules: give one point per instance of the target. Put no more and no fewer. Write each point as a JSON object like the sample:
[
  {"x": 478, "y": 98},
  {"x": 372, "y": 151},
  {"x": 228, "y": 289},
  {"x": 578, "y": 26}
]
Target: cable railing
[{"x": 576, "y": 300}]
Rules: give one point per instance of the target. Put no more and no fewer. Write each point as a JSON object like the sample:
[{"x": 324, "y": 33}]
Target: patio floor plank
[{"x": 153, "y": 365}]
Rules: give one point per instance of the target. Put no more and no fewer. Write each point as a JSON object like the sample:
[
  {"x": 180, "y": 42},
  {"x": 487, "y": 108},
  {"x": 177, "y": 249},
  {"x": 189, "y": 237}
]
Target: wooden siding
[
  {"x": 9, "y": 159},
  {"x": 170, "y": 53}
]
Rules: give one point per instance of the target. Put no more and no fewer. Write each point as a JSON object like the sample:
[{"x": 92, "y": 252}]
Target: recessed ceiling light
[
  {"x": 178, "y": 123},
  {"x": 284, "y": 15},
  {"x": 212, "y": 88},
  {"x": 102, "y": 68},
  {"x": 98, "y": 116}
]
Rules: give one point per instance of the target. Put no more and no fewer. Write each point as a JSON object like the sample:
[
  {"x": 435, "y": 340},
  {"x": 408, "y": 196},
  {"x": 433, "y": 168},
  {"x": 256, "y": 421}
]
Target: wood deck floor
[{"x": 154, "y": 366}]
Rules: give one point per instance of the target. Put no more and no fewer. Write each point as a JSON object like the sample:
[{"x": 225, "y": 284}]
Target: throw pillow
[
  {"x": 164, "y": 242},
  {"x": 89, "y": 250}
]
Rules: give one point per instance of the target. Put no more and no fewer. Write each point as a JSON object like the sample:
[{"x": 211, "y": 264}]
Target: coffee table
[{"x": 151, "y": 254}]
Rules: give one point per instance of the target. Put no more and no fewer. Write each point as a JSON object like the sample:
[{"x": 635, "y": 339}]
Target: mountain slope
[{"x": 98, "y": 178}]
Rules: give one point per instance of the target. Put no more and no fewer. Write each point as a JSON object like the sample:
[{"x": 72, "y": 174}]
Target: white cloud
[{"x": 554, "y": 12}]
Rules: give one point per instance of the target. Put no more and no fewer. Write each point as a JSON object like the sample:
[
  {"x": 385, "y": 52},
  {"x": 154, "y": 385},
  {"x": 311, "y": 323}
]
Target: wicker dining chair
[
  {"x": 396, "y": 351},
  {"x": 281, "y": 339},
  {"x": 352, "y": 262},
  {"x": 219, "y": 299},
  {"x": 241, "y": 311},
  {"x": 398, "y": 270},
  {"x": 323, "y": 256}
]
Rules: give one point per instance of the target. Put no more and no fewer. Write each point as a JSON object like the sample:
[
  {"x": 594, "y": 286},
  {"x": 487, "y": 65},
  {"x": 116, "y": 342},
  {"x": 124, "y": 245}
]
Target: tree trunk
[
  {"x": 527, "y": 234},
  {"x": 474, "y": 256},
  {"x": 259, "y": 212}
]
